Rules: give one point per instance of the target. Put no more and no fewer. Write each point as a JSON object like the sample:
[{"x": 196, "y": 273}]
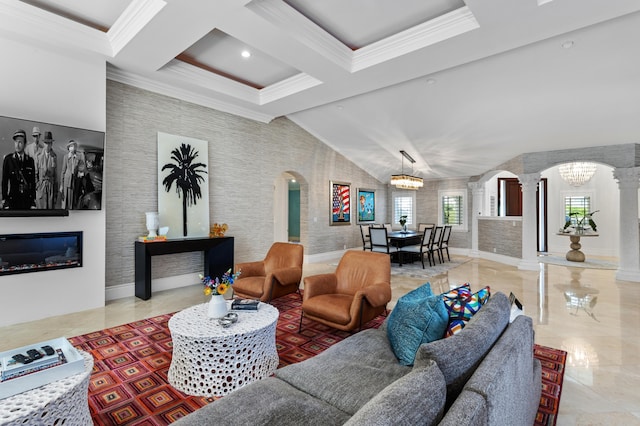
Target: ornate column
[
  {"x": 477, "y": 209},
  {"x": 629, "y": 268},
  {"x": 529, "y": 183}
]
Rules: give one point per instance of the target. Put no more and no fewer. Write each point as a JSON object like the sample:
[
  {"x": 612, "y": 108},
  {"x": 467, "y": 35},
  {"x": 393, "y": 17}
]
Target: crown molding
[
  {"x": 32, "y": 23},
  {"x": 138, "y": 14},
  {"x": 116, "y": 74},
  {"x": 287, "y": 87},
  {"x": 426, "y": 34},
  {"x": 283, "y": 16},
  {"x": 184, "y": 72}
]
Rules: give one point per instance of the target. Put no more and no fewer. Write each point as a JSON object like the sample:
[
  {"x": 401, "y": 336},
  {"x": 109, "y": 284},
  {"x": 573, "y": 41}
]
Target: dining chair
[
  {"x": 421, "y": 226},
  {"x": 366, "y": 238},
  {"x": 388, "y": 227},
  {"x": 444, "y": 242},
  {"x": 422, "y": 248},
  {"x": 434, "y": 244},
  {"x": 380, "y": 242}
]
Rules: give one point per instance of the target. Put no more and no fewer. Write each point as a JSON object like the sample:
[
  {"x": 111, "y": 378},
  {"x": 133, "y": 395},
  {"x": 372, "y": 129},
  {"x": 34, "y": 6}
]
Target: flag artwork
[{"x": 341, "y": 206}]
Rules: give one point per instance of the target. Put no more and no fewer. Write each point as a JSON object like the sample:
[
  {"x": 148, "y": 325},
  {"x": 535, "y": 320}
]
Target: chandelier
[
  {"x": 405, "y": 181},
  {"x": 577, "y": 173}
]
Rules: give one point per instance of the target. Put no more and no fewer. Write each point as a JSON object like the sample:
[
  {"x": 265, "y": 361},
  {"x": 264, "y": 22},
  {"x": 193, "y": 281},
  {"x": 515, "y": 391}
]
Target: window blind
[
  {"x": 452, "y": 210},
  {"x": 576, "y": 204},
  {"x": 403, "y": 206}
]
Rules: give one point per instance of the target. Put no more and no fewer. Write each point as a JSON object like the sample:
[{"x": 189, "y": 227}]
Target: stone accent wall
[
  {"x": 501, "y": 236},
  {"x": 245, "y": 159}
]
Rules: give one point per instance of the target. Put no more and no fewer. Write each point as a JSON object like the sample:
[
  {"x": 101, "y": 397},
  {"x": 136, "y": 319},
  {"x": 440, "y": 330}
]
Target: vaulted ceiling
[{"x": 461, "y": 85}]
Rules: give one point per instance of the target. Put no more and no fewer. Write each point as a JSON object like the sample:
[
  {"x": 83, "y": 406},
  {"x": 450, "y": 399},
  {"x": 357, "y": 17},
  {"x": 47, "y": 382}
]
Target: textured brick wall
[
  {"x": 245, "y": 159},
  {"x": 503, "y": 235}
]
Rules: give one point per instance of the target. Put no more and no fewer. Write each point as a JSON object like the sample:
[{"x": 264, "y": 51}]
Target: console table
[{"x": 218, "y": 258}]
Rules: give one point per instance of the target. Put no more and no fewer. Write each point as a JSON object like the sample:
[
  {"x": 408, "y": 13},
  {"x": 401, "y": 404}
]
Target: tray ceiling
[{"x": 462, "y": 86}]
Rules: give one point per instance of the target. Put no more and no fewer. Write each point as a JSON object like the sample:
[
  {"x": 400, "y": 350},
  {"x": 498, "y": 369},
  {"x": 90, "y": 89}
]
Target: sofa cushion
[
  {"x": 268, "y": 401},
  {"x": 459, "y": 355},
  {"x": 415, "y": 399},
  {"x": 418, "y": 317},
  {"x": 348, "y": 374},
  {"x": 463, "y": 307},
  {"x": 511, "y": 398}
]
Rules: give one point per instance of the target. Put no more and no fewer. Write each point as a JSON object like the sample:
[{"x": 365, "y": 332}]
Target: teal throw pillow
[{"x": 418, "y": 317}]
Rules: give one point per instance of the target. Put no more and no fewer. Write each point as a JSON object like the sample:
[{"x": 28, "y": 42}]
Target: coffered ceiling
[{"x": 461, "y": 85}]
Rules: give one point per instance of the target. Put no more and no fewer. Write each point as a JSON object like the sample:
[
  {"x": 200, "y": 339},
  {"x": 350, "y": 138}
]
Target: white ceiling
[{"x": 462, "y": 86}]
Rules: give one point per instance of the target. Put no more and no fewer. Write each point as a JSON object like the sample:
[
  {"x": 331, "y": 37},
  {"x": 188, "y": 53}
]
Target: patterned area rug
[
  {"x": 553, "y": 361},
  {"x": 129, "y": 386},
  {"x": 415, "y": 269}
]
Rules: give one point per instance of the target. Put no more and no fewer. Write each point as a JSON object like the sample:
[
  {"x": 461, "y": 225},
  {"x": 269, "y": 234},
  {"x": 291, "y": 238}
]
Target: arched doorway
[{"x": 288, "y": 190}]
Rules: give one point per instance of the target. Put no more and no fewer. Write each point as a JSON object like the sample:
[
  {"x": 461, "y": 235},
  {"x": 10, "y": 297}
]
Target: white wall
[
  {"x": 605, "y": 197},
  {"x": 54, "y": 88}
]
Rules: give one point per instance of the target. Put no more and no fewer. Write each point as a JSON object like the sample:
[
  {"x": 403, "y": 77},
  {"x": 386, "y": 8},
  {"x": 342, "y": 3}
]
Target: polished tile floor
[{"x": 586, "y": 312}]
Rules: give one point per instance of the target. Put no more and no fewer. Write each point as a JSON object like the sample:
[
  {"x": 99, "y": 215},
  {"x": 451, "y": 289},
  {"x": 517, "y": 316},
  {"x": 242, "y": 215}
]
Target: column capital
[
  {"x": 529, "y": 181},
  {"x": 628, "y": 178},
  {"x": 477, "y": 188}
]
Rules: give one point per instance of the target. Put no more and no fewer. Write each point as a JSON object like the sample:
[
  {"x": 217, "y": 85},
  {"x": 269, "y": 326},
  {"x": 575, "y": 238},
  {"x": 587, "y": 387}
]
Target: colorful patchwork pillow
[
  {"x": 461, "y": 305},
  {"x": 418, "y": 317}
]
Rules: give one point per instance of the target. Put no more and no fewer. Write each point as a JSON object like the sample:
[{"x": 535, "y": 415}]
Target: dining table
[{"x": 401, "y": 239}]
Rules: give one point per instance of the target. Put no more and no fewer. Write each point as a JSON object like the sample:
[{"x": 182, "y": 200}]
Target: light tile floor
[{"x": 586, "y": 312}]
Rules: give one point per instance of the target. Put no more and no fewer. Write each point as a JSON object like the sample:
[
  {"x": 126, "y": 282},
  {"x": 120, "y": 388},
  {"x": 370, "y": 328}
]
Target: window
[
  {"x": 452, "y": 210},
  {"x": 404, "y": 204},
  {"x": 580, "y": 204}
]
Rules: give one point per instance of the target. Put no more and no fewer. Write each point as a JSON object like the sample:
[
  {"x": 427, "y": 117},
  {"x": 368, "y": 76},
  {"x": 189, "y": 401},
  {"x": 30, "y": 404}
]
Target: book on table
[
  {"x": 11, "y": 368},
  {"x": 244, "y": 305}
]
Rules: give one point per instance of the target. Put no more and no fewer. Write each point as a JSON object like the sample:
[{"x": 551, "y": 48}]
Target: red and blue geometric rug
[
  {"x": 129, "y": 386},
  {"x": 553, "y": 362}
]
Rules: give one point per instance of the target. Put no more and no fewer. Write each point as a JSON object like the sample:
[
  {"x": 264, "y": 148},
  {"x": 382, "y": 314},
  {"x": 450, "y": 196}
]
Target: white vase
[
  {"x": 153, "y": 222},
  {"x": 217, "y": 306}
]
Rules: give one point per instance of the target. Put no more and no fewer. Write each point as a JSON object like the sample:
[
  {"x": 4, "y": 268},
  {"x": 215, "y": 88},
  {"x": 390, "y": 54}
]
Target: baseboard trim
[{"x": 159, "y": 284}]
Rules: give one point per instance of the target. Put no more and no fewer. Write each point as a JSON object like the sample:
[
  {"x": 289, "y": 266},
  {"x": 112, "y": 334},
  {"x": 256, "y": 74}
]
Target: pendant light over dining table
[{"x": 405, "y": 181}]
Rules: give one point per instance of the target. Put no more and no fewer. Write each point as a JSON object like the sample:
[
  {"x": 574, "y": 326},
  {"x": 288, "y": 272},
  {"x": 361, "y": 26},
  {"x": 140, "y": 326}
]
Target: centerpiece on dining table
[
  {"x": 403, "y": 223},
  {"x": 216, "y": 288}
]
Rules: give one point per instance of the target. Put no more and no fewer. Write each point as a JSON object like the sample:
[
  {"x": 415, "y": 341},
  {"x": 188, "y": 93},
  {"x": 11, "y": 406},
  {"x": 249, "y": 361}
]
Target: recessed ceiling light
[
  {"x": 567, "y": 44},
  {"x": 431, "y": 81},
  {"x": 340, "y": 107},
  {"x": 246, "y": 54}
]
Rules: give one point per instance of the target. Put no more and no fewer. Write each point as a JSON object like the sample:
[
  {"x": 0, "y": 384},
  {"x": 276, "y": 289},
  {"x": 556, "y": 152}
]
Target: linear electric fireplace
[{"x": 20, "y": 253}]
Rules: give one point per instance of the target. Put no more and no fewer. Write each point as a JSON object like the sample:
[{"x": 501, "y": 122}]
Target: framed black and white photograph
[
  {"x": 47, "y": 167},
  {"x": 183, "y": 185},
  {"x": 340, "y": 203},
  {"x": 366, "y": 205}
]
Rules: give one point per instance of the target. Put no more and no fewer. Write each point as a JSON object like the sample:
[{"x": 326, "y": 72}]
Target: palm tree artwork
[{"x": 187, "y": 175}]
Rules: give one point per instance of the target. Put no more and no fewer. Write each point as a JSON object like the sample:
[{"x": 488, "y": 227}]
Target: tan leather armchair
[
  {"x": 356, "y": 293},
  {"x": 277, "y": 275}
]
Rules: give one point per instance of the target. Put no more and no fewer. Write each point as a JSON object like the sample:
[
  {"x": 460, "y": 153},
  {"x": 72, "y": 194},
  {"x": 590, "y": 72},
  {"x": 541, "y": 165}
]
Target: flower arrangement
[{"x": 219, "y": 286}]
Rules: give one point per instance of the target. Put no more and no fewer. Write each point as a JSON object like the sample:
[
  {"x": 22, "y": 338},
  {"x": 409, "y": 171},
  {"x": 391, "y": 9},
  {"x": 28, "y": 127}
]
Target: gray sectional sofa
[{"x": 484, "y": 375}]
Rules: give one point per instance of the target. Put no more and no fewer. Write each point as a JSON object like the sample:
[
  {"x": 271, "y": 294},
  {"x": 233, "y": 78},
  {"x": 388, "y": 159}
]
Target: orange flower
[{"x": 222, "y": 288}]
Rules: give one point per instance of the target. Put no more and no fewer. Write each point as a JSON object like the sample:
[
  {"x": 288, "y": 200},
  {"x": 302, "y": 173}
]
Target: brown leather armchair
[
  {"x": 356, "y": 293},
  {"x": 277, "y": 275}
]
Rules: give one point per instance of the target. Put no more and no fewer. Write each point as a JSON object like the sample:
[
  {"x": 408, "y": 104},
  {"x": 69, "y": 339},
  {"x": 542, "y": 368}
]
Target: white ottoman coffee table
[
  {"x": 61, "y": 402},
  {"x": 210, "y": 360}
]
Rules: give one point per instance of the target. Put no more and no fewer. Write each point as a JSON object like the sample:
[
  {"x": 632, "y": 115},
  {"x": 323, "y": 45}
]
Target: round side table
[
  {"x": 62, "y": 402},
  {"x": 210, "y": 360},
  {"x": 575, "y": 255}
]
